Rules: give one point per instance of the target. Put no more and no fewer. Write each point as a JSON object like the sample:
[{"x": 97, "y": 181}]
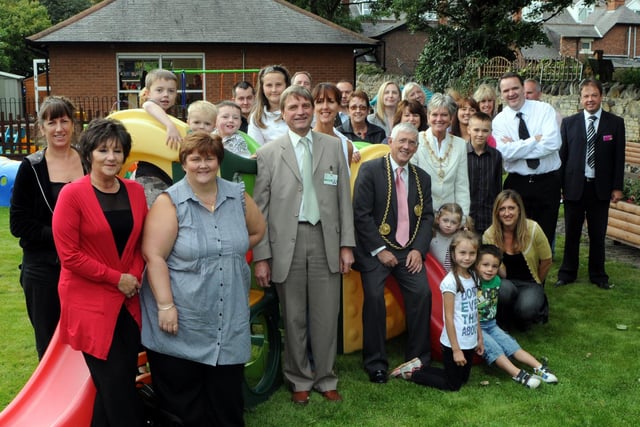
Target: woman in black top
[{"x": 38, "y": 182}]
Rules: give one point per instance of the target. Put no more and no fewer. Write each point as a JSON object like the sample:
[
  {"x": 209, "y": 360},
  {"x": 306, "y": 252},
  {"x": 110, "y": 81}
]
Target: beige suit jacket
[{"x": 278, "y": 193}]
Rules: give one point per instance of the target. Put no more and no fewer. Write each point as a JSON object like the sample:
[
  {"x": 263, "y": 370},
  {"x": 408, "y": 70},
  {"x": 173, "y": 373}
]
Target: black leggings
[
  {"x": 451, "y": 378},
  {"x": 117, "y": 401}
]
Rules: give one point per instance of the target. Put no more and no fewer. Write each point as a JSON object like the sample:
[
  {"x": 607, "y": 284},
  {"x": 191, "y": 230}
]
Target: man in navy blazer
[
  {"x": 590, "y": 181},
  {"x": 378, "y": 254}
]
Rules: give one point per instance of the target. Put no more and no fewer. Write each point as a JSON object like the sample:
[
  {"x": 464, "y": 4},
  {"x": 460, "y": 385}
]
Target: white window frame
[
  {"x": 164, "y": 61},
  {"x": 588, "y": 51}
]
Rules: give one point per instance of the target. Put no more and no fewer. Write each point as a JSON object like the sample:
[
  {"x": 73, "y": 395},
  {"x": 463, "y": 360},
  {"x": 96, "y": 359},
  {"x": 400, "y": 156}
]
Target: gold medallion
[
  {"x": 441, "y": 173},
  {"x": 417, "y": 209},
  {"x": 384, "y": 229}
]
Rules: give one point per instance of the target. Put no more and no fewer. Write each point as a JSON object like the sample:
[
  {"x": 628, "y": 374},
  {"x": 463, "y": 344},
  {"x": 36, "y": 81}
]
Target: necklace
[
  {"x": 209, "y": 205},
  {"x": 100, "y": 187},
  {"x": 442, "y": 161},
  {"x": 384, "y": 229}
]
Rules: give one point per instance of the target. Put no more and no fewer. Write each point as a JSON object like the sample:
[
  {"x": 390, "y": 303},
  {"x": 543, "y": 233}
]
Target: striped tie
[{"x": 591, "y": 142}]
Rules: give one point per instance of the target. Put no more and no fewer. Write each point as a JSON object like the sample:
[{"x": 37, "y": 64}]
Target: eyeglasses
[{"x": 358, "y": 107}]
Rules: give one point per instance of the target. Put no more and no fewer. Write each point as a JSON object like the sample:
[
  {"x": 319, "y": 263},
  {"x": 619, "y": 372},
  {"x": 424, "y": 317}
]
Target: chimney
[{"x": 614, "y": 4}]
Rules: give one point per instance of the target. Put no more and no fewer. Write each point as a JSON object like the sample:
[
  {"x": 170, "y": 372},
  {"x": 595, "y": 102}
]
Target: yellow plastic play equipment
[{"x": 148, "y": 140}]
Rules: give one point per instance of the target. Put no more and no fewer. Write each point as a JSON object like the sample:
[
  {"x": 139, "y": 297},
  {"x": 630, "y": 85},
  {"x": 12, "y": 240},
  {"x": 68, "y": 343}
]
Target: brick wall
[
  {"x": 616, "y": 41},
  {"x": 92, "y": 71},
  {"x": 402, "y": 50}
]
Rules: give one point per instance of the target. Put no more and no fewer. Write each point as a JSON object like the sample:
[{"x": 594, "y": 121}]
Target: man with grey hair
[
  {"x": 304, "y": 192},
  {"x": 393, "y": 218},
  {"x": 532, "y": 89}
]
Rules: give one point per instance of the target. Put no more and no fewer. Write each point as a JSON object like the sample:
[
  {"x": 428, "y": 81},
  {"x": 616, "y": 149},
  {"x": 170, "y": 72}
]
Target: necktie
[
  {"x": 523, "y": 133},
  {"x": 591, "y": 142},
  {"x": 310, "y": 208},
  {"x": 402, "y": 229}
]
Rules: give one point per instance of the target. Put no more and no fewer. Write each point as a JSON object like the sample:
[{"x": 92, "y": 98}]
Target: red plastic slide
[{"x": 59, "y": 393}]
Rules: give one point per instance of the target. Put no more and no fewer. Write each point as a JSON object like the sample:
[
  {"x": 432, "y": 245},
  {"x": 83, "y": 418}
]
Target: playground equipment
[
  {"x": 60, "y": 391},
  {"x": 8, "y": 171}
]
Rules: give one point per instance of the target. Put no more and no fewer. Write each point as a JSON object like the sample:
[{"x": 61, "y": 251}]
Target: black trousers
[
  {"x": 117, "y": 401},
  {"x": 521, "y": 304},
  {"x": 39, "y": 274},
  {"x": 541, "y": 197},
  {"x": 200, "y": 395},
  {"x": 417, "y": 302},
  {"x": 451, "y": 378},
  {"x": 596, "y": 212}
]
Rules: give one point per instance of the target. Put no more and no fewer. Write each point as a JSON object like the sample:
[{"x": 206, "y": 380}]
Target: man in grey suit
[
  {"x": 303, "y": 190},
  {"x": 382, "y": 250}
]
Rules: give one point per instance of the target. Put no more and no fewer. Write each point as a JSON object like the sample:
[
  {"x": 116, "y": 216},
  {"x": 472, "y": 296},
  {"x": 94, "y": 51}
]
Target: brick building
[
  {"x": 104, "y": 52},
  {"x": 399, "y": 48},
  {"x": 610, "y": 28}
]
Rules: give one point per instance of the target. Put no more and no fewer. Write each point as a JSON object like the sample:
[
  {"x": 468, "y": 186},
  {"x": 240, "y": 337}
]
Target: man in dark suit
[
  {"x": 392, "y": 237},
  {"x": 303, "y": 190},
  {"x": 592, "y": 156}
]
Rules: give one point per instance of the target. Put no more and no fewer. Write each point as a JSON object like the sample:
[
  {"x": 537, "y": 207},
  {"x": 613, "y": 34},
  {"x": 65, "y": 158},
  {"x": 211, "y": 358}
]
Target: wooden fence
[{"x": 545, "y": 71}]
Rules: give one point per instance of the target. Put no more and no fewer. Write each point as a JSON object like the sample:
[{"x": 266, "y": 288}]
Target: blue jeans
[{"x": 496, "y": 341}]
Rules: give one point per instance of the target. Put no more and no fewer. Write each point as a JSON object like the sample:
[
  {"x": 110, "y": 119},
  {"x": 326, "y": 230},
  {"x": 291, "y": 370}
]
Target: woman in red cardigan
[{"x": 97, "y": 226}]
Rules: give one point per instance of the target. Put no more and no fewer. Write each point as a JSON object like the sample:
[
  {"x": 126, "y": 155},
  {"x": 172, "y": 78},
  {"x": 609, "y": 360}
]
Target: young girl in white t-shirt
[{"x": 461, "y": 335}]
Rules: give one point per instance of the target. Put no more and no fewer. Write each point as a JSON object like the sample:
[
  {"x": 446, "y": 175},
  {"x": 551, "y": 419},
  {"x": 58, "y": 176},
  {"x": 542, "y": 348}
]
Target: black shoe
[
  {"x": 378, "y": 377},
  {"x": 561, "y": 283},
  {"x": 605, "y": 285}
]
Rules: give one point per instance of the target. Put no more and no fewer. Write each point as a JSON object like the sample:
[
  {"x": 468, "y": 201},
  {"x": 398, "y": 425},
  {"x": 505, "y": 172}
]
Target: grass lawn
[{"x": 598, "y": 366}]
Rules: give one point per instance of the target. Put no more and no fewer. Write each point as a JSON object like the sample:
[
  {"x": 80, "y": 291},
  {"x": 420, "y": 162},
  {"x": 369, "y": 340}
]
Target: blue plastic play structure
[{"x": 8, "y": 171}]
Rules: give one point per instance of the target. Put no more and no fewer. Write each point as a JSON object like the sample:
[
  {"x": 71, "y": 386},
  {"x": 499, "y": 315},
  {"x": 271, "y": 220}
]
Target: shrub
[{"x": 627, "y": 76}]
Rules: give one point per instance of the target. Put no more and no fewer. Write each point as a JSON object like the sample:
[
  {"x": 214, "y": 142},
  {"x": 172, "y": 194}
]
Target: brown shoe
[
  {"x": 332, "y": 395},
  {"x": 300, "y": 397}
]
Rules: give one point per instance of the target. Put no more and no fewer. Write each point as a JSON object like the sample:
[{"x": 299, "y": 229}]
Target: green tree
[
  {"x": 332, "y": 10},
  {"x": 59, "y": 10},
  {"x": 19, "y": 19},
  {"x": 460, "y": 29}
]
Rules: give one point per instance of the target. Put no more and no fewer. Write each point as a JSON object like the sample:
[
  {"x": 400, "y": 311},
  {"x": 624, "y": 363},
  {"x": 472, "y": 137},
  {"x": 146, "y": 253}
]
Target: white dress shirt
[{"x": 540, "y": 119}]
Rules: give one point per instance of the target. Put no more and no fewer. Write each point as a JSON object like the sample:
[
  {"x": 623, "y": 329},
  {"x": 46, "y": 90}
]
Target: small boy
[
  {"x": 157, "y": 96},
  {"x": 484, "y": 164},
  {"x": 227, "y": 125},
  {"x": 499, "y": 346},
  {"x": 201, "y": 115}
]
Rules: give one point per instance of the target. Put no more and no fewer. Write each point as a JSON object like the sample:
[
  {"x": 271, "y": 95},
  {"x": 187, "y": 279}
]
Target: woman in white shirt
[{"x": 444, "y": 156}]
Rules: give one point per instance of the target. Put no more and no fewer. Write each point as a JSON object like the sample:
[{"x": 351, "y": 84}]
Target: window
[
  {"x": 363, "y": 7},
  {"x": 585, "y": 46},
  {"x": 133, "y": 68}
]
